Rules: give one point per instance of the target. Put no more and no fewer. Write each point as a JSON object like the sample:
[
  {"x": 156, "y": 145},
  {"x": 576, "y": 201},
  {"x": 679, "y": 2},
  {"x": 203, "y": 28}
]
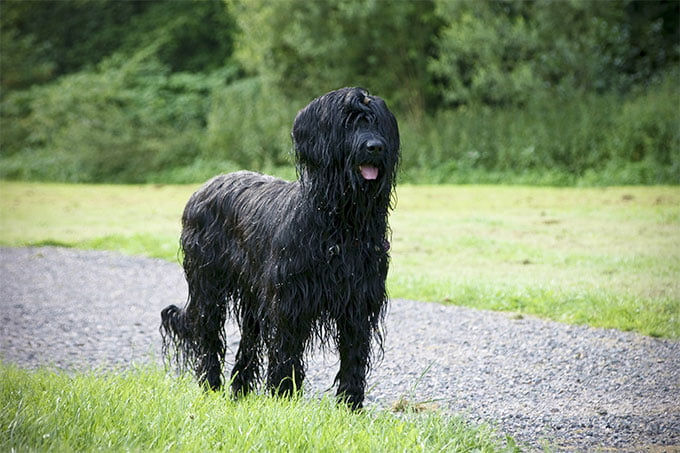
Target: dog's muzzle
[{"x": 373, "y": 147}]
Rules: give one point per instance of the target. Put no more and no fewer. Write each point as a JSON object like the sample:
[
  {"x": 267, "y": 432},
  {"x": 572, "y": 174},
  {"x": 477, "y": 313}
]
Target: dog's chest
[{"x": 357, "y": 249}]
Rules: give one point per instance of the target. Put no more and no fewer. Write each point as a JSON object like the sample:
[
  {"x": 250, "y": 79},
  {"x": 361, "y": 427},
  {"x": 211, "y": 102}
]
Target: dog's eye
[
  {"x": 362, "y": 120},
  {"x": 357, "y": 120}
]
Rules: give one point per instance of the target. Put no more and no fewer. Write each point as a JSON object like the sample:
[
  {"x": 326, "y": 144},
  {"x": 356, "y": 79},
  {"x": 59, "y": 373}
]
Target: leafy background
[{"x": 559, "y": 93}]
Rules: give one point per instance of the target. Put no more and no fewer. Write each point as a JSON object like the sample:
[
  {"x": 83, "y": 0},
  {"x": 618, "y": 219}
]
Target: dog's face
[{"x": 348, "y": 133}]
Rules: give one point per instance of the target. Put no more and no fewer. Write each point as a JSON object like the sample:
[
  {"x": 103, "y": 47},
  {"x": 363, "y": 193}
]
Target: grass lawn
[
  {"x": 146, "y": 410},
  {"x": 606, "y": 257}
]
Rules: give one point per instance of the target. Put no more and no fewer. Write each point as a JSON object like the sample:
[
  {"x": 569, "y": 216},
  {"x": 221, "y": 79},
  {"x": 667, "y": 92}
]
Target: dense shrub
[
  {"x": 118, "y": 123},
  {"x": 40, "y": 40},
  {"x": 502, "y": 52},
  {"x": 306, "y": 48},
  {"x": 140, "y": 124},
  {"x": 249, "y": 125}
]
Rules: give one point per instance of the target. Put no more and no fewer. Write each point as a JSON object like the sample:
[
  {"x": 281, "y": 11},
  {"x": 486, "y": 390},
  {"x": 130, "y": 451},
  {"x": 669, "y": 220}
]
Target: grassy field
[
  {"x": 606, "y": 257},
  {"x": 146, "y": 410}
]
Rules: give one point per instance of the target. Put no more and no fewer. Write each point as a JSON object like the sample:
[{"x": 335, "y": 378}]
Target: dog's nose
[{"x": 375, "y": 145}]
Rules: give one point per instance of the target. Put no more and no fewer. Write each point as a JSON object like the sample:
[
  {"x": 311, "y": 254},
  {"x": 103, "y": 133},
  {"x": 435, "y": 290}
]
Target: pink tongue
[{"x": 369, "y": 171}]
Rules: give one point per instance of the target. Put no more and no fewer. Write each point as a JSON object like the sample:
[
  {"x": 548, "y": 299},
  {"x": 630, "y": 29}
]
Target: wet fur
[{"x": 294, "y": 263}]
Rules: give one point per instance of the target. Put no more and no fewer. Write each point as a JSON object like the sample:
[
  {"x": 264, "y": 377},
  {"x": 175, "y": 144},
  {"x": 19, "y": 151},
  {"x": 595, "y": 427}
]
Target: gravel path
[{"x": 545, "y": 383}]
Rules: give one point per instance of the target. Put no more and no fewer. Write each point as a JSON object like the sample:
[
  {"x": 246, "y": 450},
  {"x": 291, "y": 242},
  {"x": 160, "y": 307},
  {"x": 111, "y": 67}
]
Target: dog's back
[{"x": 232, "y": 211}]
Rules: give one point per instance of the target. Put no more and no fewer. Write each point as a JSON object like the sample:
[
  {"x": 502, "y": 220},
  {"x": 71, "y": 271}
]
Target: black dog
[{"x": 293, "y": 262}]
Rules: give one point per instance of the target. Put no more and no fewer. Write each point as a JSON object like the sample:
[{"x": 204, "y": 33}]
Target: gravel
[{"x": 542, "y": 382}]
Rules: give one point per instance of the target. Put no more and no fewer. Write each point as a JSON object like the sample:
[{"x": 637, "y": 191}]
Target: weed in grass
[{"x": 407, "y": 403}]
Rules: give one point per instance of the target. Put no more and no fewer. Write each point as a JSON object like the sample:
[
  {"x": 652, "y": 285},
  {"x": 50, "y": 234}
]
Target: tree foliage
[
  {"x": 501, "y": 52},
  {"x": 70, "y": 35},
  {"x": 306, "y": 48}
]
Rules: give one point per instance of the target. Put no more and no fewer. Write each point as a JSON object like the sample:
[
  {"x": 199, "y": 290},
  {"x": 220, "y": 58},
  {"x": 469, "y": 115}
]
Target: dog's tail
[{"x": 175, "y": 333}]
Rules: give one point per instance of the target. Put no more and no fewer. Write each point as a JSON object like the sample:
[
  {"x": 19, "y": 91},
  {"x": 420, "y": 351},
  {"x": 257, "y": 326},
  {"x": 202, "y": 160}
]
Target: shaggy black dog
[{"x": 294, "y": 263}]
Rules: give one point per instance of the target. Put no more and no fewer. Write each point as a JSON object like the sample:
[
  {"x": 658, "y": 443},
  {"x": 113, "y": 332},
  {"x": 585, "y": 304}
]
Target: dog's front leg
[
  {"x": 354, "y": 347},
  {"x": 285, "y": 372}
]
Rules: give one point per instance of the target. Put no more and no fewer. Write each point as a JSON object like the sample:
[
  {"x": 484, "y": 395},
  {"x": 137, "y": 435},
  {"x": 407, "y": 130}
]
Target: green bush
[
  {"x": 118, "y": 124},
  {"x": 576, "y": 92},
  {"x": 42, "y": 40},
  {"x": 502, "y": 52},
  {"x": 647, "y": 128},
  {"x": 249, "y": 125},
  {"x": 308, "y": 48}
]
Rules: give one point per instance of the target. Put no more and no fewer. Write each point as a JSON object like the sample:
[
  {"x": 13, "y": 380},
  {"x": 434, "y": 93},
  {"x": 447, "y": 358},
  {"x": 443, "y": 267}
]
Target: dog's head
[{"x": 347, "y": 134}]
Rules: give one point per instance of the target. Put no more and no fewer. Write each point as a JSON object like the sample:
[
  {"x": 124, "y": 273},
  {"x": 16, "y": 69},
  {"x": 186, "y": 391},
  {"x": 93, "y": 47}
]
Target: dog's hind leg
[
  {"x": 206, "y": 313},
  {"x": 246, "y": 370}
]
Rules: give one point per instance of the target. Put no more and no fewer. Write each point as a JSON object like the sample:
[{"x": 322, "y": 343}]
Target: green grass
[
  {"x": 146, "y": 410},
  {"x": 132, "y": 219},
  {"x": 607, "y": 257}
]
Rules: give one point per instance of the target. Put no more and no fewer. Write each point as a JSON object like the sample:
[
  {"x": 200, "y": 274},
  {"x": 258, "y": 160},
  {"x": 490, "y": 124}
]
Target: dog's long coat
[{"x": 294, "y": 262}]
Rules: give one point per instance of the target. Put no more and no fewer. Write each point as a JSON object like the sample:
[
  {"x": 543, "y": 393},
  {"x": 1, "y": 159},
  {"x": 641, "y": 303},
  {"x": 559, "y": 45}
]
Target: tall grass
[
  {"x": 146, "y": 410},
  {"x": 592, "y": 140}
]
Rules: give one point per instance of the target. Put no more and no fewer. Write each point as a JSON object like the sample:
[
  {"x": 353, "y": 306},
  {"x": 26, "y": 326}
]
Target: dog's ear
[
  {"x": 305, "y": 137},
  {"x": 315, "y": 128}
]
